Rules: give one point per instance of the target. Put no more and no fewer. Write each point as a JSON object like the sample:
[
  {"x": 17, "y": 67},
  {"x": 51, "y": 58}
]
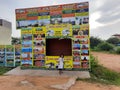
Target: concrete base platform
[{"x": 31, "y": 72}]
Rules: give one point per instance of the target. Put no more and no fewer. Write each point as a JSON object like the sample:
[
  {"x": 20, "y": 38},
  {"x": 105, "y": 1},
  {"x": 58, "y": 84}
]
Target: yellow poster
[
  {"x": 26, "y": 31},
  {"x": 52, "y": 62},
  {"x": 68, "y": 62},
  {"x": 84, "y": 27},
  {"x": 39, "y": 32},
  {"x": 58, "y": 30}
]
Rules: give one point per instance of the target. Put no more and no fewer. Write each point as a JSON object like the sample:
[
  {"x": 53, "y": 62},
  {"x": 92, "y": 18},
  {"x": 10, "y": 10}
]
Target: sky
[{"x": 104, "y": 14}]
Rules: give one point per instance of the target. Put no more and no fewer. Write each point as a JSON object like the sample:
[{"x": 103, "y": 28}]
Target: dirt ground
[
  {"x": 30, "y": 83},
  {"x": 80, "y": 85},
  {"x": 43, "y": 83},
  {"x": 110, "y": 61}
]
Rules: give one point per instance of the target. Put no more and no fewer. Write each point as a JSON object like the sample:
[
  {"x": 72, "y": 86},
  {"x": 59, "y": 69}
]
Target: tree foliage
[
  {"x": 94, "y": 41},
  {"x": 113, "y": 40},
  {"x": 105, "y": 46},
  {"x": 118, "y": 50},
  {"x": 15, "y": 40}
]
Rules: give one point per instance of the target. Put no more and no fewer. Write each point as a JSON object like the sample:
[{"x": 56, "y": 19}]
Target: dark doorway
[{"x": 54, "y": 47}]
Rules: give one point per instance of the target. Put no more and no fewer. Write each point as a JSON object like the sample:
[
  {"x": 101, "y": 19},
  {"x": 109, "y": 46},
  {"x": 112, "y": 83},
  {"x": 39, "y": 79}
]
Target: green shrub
[
  {"x": 102, "y": 74},
  {"x": 94, "y": 41},
  {"x": 113, "y": 40},
  {"x": 4, "y": 70},
  {"x": 104, "y": 47},
  {"x": 118, "y": 50}
]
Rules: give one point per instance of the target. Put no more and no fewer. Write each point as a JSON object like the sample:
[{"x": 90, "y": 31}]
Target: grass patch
[
  {"x": 100, "y": 74},
  {"x": 4, "y": 70}
]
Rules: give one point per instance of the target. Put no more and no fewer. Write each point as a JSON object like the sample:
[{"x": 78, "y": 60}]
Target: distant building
[
  {"x": 116, "y": 35},
  {"x": 5, "y": 32}
]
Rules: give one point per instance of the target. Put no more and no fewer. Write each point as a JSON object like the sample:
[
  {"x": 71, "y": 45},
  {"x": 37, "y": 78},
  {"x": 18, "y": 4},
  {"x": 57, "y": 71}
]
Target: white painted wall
[{"x": 5, "y": 33}]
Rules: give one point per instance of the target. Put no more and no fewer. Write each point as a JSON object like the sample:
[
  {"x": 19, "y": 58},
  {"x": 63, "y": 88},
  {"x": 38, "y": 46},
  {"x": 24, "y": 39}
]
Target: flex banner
[
  {"x": 2, "y": 55},
  {"x": 26, "y": 50},
  {"x": 52, "y": 62},
  {"x": 10, "y": 56},
  {"x": 39, "y": 25},
  {"x": 57, "y": 31}
]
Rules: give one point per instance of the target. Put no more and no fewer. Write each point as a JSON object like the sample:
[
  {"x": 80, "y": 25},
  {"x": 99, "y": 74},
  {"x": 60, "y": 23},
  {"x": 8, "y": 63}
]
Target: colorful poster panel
[
  {"x": 80, "y": 20},
  {"x": 43, "y": 20},
  {"x": 68, "y": 14},
  {"x": 76, "y": 44},
  {"x": 76, "y": 53},
  {"x": 76, "y": 30},
  {"x": 74, "y": 14},
  {"x": 85, "y": 30},
  {"x": 21, "y": 24},
  {"x": 68, "y": 62},
  {"x": 38, "y": 47},
  {"x": 38, "y": 33},
  {"x": 26, "y": 59},
  {"x": 85, "y": 61},
  {"x": 51, "y": 62},
  {"x": 26, "y": 49},
  {"x": 2, "y": 55},
  {"x": 57, "y": 31},
  {"x": 76, "y": 62},
  {"x": 85, "y": 65},
  {"x": 39, "y": 63},
  {"x": 43, "y": 16},
  {"x": 10, "y": 56},
  {"x": 17, "y": 55},
  {"x": 39, "y": 43},
  {"x": 68, "y": 19},
  {"x": 56, "y": 14},
  {"x": 85, "y": 52},
  {"x": 38, "y": 56},
  {"x": 85, "y": 58},
  {"x": 82, "y": 9},
  {"x": 26, "y": 63},
  {"x": 82, "y": 31},
  {"x": 82, "y": 5}
]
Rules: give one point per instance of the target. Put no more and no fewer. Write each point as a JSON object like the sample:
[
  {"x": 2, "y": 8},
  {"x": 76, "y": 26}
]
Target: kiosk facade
[{"x": 48, "y": 31}]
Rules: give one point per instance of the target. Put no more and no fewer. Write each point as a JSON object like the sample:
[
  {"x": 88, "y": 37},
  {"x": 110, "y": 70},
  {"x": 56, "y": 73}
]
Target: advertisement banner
[
  {"x": 68, "y": 62},
  {"x": 55, "y": 31},
  {"x": 10, "y": 53},
  {"x": 41, "y": 16},
  {"x": 38, "y": 32},
  {"x": 2, "y": 55},
  {"x": 55, "y": 8},
  {"x": 82, "y": 5},
  {"x": 52, "y": 62},
  {"x": 39, "y": 47},
  {"x": 17, "y": 55},
  {"x": 69, "y": 6},
  {"x": 31, "y": 12},
  {"x": 49, "y": 24},
  {"x": 43, "y": 9},
  {"x": 26, "y": 50}
]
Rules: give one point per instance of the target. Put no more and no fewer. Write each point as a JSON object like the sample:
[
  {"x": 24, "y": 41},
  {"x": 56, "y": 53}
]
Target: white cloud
[{"x": 93, "y": 20}]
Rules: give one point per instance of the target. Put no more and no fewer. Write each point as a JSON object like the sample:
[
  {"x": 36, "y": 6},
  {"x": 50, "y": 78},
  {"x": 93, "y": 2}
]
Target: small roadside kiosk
[{"x": 48, "y": 31}]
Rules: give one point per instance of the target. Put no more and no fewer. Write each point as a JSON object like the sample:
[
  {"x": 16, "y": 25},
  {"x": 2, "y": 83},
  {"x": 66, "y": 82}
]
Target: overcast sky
[{"x": 104, "y": 14}]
